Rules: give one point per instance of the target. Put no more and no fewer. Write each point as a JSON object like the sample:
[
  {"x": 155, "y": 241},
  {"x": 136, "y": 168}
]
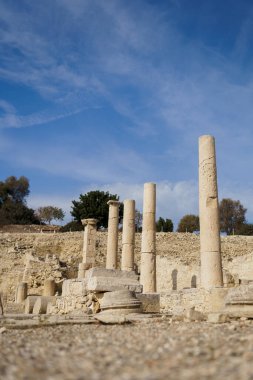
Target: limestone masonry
[{"x": 181, "y": 275}]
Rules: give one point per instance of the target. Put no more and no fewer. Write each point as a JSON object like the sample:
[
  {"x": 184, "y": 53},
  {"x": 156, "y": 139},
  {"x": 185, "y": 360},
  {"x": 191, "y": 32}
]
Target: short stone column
[
  {"x": 49, "y": 287},
  {"x": 112, "y": 239},
  {"x": 210, "y": 248},
  {"x": 89, "y": 246},
  {"x": 148, "y": 243},
  {"x": 21, "y": 292},
  {"x": 128, "y": 235}
]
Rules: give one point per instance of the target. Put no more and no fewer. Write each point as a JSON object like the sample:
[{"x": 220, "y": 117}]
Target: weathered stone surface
[
  {"x": 29, "y": 304},
  {"x": 148, "y": 242},
  {"x": 102, "y": 272},
  {"x": 177, "y": 259},
  {"x": 194, "y": 315},
  {"x": 150, "y": 302},
  {"x": 112, "y": 238},
  {"x": 239, "y": 301},
  {"x": 128, "y": 235},
  {"x": 89, "y": 242},
  {"x": 49, "y": 287},
  {"x": 74, "y": 287},
  {"x": 40, "y": 306},
  {"x": 120, "y": 302},
  {"x": 110, "y": 284},
  {"x": 210, "y": 250},
  {"x": 111, "y": 319},
  {"x": 217, "y": 318},
  {"x": 21, "y": 292},
  {"x": 205, "y": 301}
]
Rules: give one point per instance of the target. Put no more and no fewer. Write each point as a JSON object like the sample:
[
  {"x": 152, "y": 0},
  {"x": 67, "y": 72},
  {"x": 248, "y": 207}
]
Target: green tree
[
  {"x": 188, "y": 223},
  {"x": 16, "y": 213},
  {"x": 232, "y": 215},
  {"x": 14, "y": 189},
  {"x": 164, "y": 225},
  {"x": 72, "y": 226},
  {"x": 94, "y": 205},
  {"x": 13, "y": 208},
  {"x": 48, "y": 213},
  {"x": 245, "y": 229}
]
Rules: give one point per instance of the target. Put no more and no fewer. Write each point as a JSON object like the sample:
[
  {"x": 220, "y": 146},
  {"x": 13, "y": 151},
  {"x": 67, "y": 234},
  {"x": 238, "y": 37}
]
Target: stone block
[
  {"x": 74, "y": 287},
  {"x": 102, "y": 272},
  {"x": 217, "y": 318},
  {"x": 194, "y": 315},
  {"x": 150, "y": 302},
  {"x": 110, "y": 284}
]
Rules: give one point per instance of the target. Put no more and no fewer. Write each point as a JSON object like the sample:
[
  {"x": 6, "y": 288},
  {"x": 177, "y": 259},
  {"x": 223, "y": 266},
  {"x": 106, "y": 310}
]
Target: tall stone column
[
  {"x": 89, "y": 246},
  {"x": 128, "y": 235},
  {"x": 113, "y": 230},
  {"x": 148, "y": 244},
  {"x": 210, "y": 249}
]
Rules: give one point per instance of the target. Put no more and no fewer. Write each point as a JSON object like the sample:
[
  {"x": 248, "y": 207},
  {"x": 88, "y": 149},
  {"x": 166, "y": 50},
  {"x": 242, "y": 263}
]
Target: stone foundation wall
[{"x": 57, "y": 255}]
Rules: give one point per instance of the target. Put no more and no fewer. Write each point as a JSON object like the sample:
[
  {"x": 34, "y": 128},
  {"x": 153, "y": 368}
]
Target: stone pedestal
[
  {"x": 112, "y": 240},
  {"x": 21, "y": 292},
  {"x": 210, "y": 251},
  {"x": 148, "y": 244},
  {"x": 128, "y": 235},
  {"x": 120, "y": 302},
  {"x": 49, "y": 287}
]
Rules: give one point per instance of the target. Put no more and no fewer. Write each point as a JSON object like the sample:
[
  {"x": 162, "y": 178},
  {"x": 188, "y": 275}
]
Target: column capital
[
  {"x": 89, "y": 221},
  {"x": 113, "y": 202}
]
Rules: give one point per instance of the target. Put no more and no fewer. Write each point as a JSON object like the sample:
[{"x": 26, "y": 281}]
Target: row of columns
[
  {"x": 148, "y": 258},
  {"x": 210, "y": 248}
]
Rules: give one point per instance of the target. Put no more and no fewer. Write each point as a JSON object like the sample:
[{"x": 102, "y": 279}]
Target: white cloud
[{"x": 174, "y": 200}]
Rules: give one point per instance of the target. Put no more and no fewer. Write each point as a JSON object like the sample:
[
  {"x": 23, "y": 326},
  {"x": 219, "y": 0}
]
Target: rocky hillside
[{"x": 58, "y": 255}]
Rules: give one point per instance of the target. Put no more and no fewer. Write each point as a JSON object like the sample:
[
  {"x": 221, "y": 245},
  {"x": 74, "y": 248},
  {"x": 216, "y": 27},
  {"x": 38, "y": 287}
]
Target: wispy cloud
[{"x": 174, "y": 200}]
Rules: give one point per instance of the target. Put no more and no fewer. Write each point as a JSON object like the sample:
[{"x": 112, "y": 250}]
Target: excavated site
[
  {"x": 111, "y": 305},
  {"x": 158, "y": 347}
]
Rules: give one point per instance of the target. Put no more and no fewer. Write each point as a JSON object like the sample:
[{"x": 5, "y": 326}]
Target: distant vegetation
[
  {"x": 48, "y": 213},
  {"x": 94, "y": 205},
  {"x": 164, "y": 225},
  {"x": 14, "y": 210},
  {"x": 189, "y": 223}
]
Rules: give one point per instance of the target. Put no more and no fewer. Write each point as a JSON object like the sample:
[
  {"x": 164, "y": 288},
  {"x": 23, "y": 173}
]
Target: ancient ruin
[
  {"x": 193, "y": 284},
  {"x": 89, "y": 246},
  {"x": 112, "y": 239},
  {"x": 148, "y": 246},
  {"x": 128, "y": 236},
  {"x": 210, "y": 250}
]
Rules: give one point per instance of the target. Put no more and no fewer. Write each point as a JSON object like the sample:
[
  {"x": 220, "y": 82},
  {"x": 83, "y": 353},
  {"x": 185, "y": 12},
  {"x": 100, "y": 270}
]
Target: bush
[{"x": 72, "y": 226}]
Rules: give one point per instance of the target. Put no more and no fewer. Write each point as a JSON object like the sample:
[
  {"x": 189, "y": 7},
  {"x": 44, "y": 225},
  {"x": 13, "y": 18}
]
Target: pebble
[{"x": 136, "y": 351}]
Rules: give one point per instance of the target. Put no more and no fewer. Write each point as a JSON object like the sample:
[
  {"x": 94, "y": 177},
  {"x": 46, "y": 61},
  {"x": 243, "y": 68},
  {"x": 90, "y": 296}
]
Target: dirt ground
[{"x": 147, "y": 350}]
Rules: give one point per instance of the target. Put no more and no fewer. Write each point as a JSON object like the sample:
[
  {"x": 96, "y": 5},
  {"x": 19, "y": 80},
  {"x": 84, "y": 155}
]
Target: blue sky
[{"x": 111, "y": 94}]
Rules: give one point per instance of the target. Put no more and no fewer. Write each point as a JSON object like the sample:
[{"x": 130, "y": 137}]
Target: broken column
[
  {"x": 112, "y": 239},
  {"x": 21, "y": 292},
  {"x": 148, "y": 244},
  {"x": 89, "y": 246},
  {"x": 128, "y": 235},
  {"x": 49, "y": 287},
  {"x": 210, "y": 249}
]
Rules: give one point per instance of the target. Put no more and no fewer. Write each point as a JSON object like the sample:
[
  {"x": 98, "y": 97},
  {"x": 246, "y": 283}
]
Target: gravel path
[{"x": 146, "y": 350}]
